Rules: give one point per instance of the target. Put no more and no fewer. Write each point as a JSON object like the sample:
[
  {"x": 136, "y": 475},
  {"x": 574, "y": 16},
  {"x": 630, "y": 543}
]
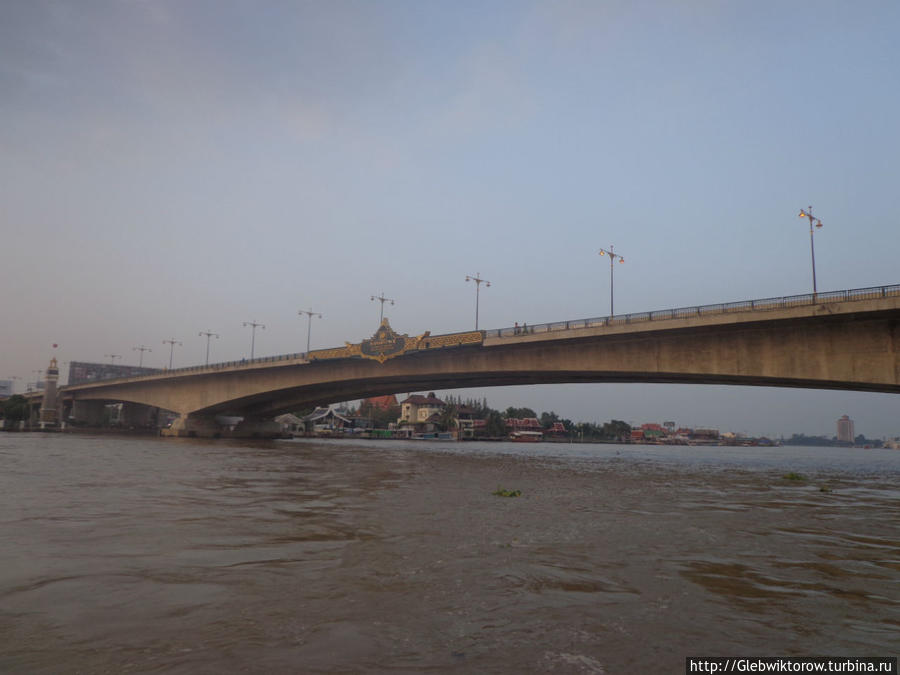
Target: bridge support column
[
  {"x": 138, "y": 415},
  {"x": 65, "y": 412},
  {"x": 257, "y": 428},
  {"x": 193, "y": 426},
  {"x": 202, "y": 426},
  {"x": 88, "y": 413}
]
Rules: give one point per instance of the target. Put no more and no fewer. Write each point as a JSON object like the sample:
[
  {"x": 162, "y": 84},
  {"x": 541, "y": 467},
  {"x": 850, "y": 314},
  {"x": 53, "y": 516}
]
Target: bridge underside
[
  {"x": 275, "y": 403},
  {"x": 848, "y": 351}
]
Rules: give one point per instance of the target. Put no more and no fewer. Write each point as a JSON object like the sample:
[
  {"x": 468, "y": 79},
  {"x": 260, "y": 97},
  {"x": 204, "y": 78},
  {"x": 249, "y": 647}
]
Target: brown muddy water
[{"x": 161, "y": 556}]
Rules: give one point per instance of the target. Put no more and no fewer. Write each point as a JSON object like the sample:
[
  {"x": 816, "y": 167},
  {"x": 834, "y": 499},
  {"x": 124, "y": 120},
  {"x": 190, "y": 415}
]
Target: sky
[{"x": 171, "y": 167}]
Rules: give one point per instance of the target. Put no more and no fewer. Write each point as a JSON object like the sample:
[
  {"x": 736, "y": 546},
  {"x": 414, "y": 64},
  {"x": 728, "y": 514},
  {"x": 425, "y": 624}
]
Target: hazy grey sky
[{"x": 168, "y": 167}]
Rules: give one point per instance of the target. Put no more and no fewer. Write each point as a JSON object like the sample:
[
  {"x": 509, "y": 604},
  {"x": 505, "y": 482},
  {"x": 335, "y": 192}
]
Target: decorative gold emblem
[{"x": 387, "y": 344}]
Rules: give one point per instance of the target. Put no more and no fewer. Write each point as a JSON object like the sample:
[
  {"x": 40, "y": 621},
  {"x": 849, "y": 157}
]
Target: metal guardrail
[
  {"x": 225, "y": 365},
  {"x": 763, "y": 305}
]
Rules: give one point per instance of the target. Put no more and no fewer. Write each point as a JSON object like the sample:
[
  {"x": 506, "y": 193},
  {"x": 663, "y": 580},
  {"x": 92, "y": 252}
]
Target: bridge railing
[
  {"x": 762, "y": 305},
  {"x": 225, "y": 365}
]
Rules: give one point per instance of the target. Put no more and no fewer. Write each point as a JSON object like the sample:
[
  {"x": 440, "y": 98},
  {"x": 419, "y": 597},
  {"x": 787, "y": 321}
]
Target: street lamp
[
  {"x": 208, "y": 334},
  {"x": 141, "y": 349},
  {"x": 254, "y": 326},
  {"x": 818, "y": 223},
  {"x": 309, "y": 314},
  {"x": 383, "y": 300},
  {"x": 612, "y": 259},
  {"x": 172, "y": 342},
  {"x": 478, "y": 281}
]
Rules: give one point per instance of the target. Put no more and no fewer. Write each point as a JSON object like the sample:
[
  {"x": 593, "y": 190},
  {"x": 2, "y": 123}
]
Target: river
[{"x": 138, "y": 555}]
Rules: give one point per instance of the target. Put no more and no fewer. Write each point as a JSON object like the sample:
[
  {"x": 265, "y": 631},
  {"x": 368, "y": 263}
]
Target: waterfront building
[
  {"x": 327, "y": 421},
  {"x": 466, "y": 422},
  {"x": 524, "y": 424},
  {"x": 845, "y": 430},
  {"x": 417, "y": 408},
  {"x": 653, "y": 432},
  {"x": 557, "y": 429},
  {"x": 705, "y": 435},
  {"x": 290, "y": 423}
]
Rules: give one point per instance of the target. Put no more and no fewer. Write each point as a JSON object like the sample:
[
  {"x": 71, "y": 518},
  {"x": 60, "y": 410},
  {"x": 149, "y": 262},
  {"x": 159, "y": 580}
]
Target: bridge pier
[
  {"x": 88, "y": 413},
  {"x": 203, "y": 426},
  {"x": 251, "y": 428},
  {"x": 138, "y": 415},
  {"x": 193, "y": 426}
]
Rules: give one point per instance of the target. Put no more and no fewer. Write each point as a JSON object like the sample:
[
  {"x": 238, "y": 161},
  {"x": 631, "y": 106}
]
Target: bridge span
[{"x": 841, "y": 340}]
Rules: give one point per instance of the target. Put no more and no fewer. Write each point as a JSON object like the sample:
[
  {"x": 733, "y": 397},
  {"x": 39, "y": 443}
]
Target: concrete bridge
[{"x": 840, "y": 340}]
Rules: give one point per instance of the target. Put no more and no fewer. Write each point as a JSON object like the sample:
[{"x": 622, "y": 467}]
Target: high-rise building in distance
[{"x": 845, "y": 431}]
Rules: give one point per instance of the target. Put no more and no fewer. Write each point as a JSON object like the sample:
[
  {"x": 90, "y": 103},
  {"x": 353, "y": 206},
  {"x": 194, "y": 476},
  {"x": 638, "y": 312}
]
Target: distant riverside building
[
  {"x": 380, "y": 402},
  {"x": 417, "y": 408},
  {"x": 524, "y": 424},
  {"x": 650, "y": 432},
  {"x": 845, "y": 430},
  {"x": 6, "y": 388},
  {"x": 466, "y": 422},
  {"x": 327, "y": 420}
]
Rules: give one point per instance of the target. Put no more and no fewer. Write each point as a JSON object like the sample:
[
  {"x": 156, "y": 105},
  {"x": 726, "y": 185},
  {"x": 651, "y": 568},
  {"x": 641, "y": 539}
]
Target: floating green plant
[
  {"x": 794, "y": 476},
  {"x": 501, "y": 492}
]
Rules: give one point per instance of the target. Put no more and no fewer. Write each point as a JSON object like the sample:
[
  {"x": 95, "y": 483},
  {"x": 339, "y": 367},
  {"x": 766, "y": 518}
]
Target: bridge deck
[{"x": 846, "y": 301}]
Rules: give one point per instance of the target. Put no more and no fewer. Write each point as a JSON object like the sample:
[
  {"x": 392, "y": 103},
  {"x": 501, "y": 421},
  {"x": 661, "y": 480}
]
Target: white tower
[{"x": 48, "y": 405}]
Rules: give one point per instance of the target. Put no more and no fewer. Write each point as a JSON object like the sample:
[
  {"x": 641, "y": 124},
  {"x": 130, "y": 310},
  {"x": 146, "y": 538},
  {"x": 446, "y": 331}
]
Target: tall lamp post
[
  {"x": 253, "y": 326},
  {"x": 172, "y": 342},
  {"x": 478, "y": 281},
  {"x": 309, "y": 314},
  {"x": 612, "y": 259},
  {"x": 208, "y": 334},
  {"x": 812, "y": 249},
  {"x": 382, "y": 300},
  {"x": 141, "y": 349}
]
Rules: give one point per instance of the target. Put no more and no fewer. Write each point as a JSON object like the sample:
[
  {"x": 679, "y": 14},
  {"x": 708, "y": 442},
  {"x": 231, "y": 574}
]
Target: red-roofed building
[
  {"x": 557, "y": 429},
  {"x": 652, "y": 426},
  {"x": 381, "y": 402},
  {"x": 524, "y": 424}
]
